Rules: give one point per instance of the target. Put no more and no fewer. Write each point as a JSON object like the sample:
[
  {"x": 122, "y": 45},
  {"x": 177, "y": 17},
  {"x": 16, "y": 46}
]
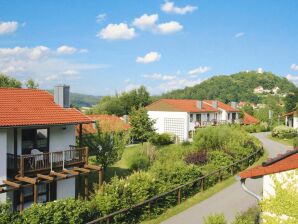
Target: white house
[
  {"x": 182, "y": 116},
  {"x": 38, "y": 157},
  {"x": 283, "y": 169},
  {"x": 291, "y": 119},
  {"x": 259, "y": 89}
]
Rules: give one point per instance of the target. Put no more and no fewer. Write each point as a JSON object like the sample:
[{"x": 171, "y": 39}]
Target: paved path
[{"x": 232, "y": 199}]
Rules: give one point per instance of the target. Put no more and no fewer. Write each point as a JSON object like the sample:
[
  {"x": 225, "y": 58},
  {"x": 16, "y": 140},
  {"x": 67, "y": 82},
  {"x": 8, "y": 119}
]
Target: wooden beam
[
  {"x": 93, "y": 167},
  {"x": 21, "y": 200},
  {"x": 80, "y": 135},
  {"x": 45, "y": 177},
  {"x": 27, "y": 179},
  {"x": 81, "y": 169},
  {"x": 72, "y": 172},
  {"x": 58, "y": 174},
  {"x": 11, "y": 184},
  {"x": 35, "y": 193}
]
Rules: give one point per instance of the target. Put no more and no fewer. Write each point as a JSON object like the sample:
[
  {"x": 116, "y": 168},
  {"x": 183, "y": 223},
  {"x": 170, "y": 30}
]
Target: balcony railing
[{"x": 26, "y": 164}]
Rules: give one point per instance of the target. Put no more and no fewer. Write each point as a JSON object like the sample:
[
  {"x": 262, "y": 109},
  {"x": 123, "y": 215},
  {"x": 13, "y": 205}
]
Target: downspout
[{"x": 259, "y": 198}]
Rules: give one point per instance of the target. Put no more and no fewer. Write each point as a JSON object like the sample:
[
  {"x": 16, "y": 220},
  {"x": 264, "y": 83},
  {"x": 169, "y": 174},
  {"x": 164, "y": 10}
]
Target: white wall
[
  {"x": 161, "y": 116},
  {"x": 66, "y": 188},
  {"x": 295, "y": 125},
  {"x": 61, "y": 138},
  {"x": 3, "y": 159}
]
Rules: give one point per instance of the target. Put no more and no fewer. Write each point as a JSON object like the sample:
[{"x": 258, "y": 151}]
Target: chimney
[
  {"x": 234, "y": 105},
  {"x": 200, "y": 104},
  {"x": 214, "y": 104},
  {"x": 62, "y": 95}
]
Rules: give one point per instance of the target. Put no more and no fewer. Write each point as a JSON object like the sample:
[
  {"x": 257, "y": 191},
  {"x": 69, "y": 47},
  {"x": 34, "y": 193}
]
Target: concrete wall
[
  {"x": 3, "y": 159},
  {"x": 162, "y": 119},
  {"x": 61, "y": 137}
]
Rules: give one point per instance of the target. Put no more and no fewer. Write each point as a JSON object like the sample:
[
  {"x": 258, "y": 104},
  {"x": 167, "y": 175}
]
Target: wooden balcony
[{"x": 26, "y": 165}]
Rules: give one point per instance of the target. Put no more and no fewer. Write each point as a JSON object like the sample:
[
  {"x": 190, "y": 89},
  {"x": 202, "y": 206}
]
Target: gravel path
[{"x": 232, "y": 199}]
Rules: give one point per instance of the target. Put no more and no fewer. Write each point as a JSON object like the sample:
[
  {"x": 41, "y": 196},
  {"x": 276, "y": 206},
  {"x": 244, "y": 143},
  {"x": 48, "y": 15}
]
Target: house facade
[
  {"x": 291, "y": 119},
  {"x": 39, "y": 156},
  {"x": 182, "y": 116},
  {"x": 281, "y": 170}
]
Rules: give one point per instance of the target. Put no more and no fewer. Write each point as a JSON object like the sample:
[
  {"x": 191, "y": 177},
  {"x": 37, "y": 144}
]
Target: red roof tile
[
  {"x": 249, "y": 119},
  {"x": 186, "y": 105},
  {"x": 282, "y": 163},
  {"x": 29, "y": 107},
  {"x": 108, "y": 123}
]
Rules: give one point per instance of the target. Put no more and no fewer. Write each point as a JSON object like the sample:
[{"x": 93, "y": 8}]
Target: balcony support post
[
  {"x": 35, "y": 193},
  {"x": 86, "y": 186},
  {"x": 21, "y": 200},
  {"x": 80, "y": 135}
]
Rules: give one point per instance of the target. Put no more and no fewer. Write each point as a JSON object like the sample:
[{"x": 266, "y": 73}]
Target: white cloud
[
  {"x": 199, "y": 70},
  {"x": 169, "y": 27},
  {"x": 158, "y": 76},
  {"x": 241, "y": 34},
  {"x": 119, "y": 31},
  {"x": 83, "y": 50},
  {"x": 34, "y": 53},
  {"x": 66, "y": 50},
  {"x": 294, "y": 67},
  {"x": 178, "y": 83},
  {"x": 101, "y": 17},
  {"x": 146, "y": 22},
  {"x": 51, "y": 77},
  {"x": 8, "y": 27},
  {"x": 260, "y": 70},
  {"x": 293, "y": 78},
  {"x": 169, "y": 7},
  {"x": 149, "y": 58},
  {"x": 149, "y": 23},
  {"x": 70, "y": 72}
]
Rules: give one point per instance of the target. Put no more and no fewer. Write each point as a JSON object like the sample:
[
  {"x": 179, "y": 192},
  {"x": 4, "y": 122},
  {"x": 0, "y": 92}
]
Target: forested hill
[{"x": 236, "y": 87}]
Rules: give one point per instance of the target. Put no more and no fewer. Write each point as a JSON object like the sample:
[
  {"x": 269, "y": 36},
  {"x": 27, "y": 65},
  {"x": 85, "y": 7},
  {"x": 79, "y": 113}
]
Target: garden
[
  {"x": 155, "y": 168},
  {"x": 286, "y": 135}
]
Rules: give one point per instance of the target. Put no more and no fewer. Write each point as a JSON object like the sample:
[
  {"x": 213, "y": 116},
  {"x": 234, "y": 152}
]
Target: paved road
[{"x": 232, "y": 199}]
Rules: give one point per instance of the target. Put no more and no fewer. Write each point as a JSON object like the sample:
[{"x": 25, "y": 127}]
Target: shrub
[
  {"x": 6, "y": 216},
  {"x": 215, "y": 219},
  {"x": 196, "y": 158},
  {"x": 140, "y": 161},
  {"x": 250, "y": 216},
  {"x": 295, "y": 143},
  {"x": 161, "y": 139},
  {"x": 284, "y": 132}
]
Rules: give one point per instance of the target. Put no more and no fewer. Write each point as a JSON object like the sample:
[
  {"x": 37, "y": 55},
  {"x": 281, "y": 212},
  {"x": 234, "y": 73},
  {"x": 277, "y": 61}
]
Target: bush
[
  {"x": 295, "y": 143},
  {"x": 196, "y": 158},
  {"x": 161, "y": 139},
  {"x": 6, "y": 216},
  {"x": 284, "y": 132},
  {"x": 250, "y": 216},
  {"x": 215, "y": 219},
  {"x": 139, "y": 161}
]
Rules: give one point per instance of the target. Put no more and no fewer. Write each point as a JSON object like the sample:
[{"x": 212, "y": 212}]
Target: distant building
[
  {"x": 182, "y": 116},
  {"x": 259, "y": 90},
  {"x": 291, "y": 119},
  {"x": 249, "y": 119},
  {"x": 276, "y": 89}
]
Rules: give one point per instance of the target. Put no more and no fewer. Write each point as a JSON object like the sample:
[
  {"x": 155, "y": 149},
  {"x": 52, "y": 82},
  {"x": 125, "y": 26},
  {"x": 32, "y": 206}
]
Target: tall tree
[
  {"x": 291, "y": 101},
  {"x": 9, "y": 82},
  {"x": 31, "y": 84},
  {"x": 141, "y": 124}
]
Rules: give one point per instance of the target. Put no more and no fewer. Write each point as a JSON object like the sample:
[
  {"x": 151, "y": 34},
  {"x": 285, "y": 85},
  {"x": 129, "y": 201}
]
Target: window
[
  {"x": 198, "y": 118},
  {"x": 35, "y": 139},
  {"x": 191, "y": 117},
  {"x": 208, "y": 117}
]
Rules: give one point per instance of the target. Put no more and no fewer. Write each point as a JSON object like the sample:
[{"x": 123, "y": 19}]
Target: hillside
[
  {"x": 82, "y": 100},
  {"x": 236, "y": 87}
]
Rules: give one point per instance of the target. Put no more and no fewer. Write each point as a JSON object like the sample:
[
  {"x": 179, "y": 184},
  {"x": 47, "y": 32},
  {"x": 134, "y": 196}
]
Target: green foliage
[
  {"x": 284, "y": 132},
  {"x": 31, "y": 84},
  {"x": 141, "y": 125},
  {"x": 7, "y": 216},
  {"x": 60, "y": 212},
  {"x": 161, "y": 139},
  {"x": 295, "y": 142},
  {"x": 283, "y": 203},
  {"x": 108, "y": 147},
  {"x": 251, "y": 216},
  {"x": 215, "y": 219},
  {"x": 237, "y": 87},
  {"x": 140, "y": 161},
  {"x": 122, "y": 104},
  {"x": 291, "y": 100},
  {"x": 248, "y": 109},
  {"x": 255, "y": 128},
  {"x": 9, "y": 82}
]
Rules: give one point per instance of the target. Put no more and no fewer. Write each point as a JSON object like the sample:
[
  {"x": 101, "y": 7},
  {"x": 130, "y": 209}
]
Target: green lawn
[
  {"x": 201, "y": 196},
  {"x": 283, "y": 141}
]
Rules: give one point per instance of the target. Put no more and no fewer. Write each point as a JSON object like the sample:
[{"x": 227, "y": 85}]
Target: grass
[
  {"x": 283, "y": 141},
  {"x": 201, "y": 196}
]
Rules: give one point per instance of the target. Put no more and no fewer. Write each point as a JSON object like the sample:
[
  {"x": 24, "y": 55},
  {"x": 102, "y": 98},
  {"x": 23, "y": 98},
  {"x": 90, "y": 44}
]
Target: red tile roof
[
  {"x": 108, "y": 123},
  {"x": 249, "y": 119},
  {"x": 186, "y": 105},
  {"x": 288, "y": 161},
  {"x": 291, "y": 113},
  {"x": 30, "y": 107}
]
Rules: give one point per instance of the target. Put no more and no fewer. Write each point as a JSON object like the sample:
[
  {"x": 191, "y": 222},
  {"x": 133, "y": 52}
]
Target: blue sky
[{"x": 103, "y": 47}]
